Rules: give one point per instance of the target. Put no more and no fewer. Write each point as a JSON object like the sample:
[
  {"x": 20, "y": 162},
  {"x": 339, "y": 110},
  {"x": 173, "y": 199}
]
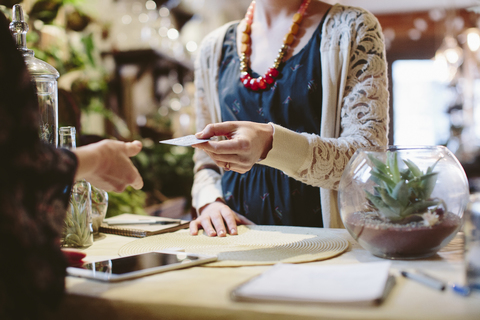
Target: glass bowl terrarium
[{"x": 403, "y": 202}]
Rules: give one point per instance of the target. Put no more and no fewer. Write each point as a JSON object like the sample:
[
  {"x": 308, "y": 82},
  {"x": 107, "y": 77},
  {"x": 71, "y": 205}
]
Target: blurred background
[{"x": 127, "y": 73}]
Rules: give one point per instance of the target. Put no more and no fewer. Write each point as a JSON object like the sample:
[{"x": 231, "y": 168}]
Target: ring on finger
[{"x": 227, "y": 166}]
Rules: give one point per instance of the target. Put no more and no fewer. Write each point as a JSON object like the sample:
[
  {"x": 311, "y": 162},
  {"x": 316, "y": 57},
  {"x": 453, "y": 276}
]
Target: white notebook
[{"x": 360, "y": 283}]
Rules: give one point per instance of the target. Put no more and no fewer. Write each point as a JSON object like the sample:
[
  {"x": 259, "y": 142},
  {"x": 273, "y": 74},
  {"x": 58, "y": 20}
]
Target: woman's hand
[
  {"x": 213, "y": 219},
  {"x": 247, "y": 143},
  {"x": 107, "y": 165}
]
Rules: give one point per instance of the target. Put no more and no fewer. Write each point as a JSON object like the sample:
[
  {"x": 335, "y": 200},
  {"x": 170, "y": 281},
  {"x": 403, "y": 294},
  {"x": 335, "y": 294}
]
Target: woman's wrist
[
  {"x": 202, "y": 208},
  {"x": 268, "y": 131},
  {"x": 85, "y": 162}
]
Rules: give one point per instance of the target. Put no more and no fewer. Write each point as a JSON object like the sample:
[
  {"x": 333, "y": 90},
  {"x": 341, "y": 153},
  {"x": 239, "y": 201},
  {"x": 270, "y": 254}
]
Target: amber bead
[
  {"x": 246, "y": 28},
  {"x": 294, "y": 28},
  {"x": 288, "y": 40},
  {"x": 297, "y": 18},
  {"x": 245, "y": 48},
  {"x": 245, "y": 38}
]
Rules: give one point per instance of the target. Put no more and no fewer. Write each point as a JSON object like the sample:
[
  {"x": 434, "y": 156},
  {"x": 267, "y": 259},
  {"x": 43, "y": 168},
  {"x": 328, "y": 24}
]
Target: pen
[
  {"x": 460, "y": 290},
  {"x": 425, "y": 279},
  {"x": 140, "y": 221}
]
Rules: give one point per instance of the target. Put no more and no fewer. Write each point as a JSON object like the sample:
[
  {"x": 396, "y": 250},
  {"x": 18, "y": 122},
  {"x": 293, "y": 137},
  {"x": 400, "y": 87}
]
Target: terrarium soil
[{"x": 401, "y": 241}]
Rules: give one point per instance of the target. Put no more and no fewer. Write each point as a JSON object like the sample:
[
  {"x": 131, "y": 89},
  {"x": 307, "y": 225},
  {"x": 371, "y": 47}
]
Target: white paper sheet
[{"x": 355, "y": 283}]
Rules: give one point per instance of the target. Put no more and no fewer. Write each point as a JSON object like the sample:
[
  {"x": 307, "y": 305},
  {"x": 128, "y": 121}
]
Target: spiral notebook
[{"x": 141, "y": 230}]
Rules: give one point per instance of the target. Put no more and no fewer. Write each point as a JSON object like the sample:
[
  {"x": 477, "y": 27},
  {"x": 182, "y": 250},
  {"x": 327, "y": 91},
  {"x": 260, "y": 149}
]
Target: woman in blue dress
[{"x": 287, "y": 128}]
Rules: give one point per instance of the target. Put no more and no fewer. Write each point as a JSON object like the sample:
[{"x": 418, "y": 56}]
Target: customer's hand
[
  {"x": 213, "y": 218},
  {"x": 247, "y": 143},
  {"x": 107, "y": 165}
]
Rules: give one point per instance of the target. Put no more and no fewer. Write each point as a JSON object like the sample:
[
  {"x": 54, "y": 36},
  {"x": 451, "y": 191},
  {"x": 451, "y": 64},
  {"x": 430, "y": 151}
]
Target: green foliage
[
  {"x": 129, "y": 201},
  {"x": 401, "y": 193},
  {"x": 168, "y": 169}
]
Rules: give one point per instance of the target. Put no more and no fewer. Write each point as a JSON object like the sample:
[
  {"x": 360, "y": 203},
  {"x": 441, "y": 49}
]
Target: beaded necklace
[{"x": 262, "y": 83}]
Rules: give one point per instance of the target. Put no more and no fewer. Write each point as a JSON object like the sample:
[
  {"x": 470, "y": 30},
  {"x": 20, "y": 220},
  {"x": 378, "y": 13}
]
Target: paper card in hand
[{"x": 185, "y": 141}]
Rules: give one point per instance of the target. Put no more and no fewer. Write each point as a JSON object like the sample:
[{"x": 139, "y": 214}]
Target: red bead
[
  {"x": 245, "y": 77},
  {"x": 262, "y": 85},
  {"x": 254, "y": 84},
  {"x": 272, "y": 72},
  {"x": 246, "y": 82},
  {"x": 268, "y": 79}
]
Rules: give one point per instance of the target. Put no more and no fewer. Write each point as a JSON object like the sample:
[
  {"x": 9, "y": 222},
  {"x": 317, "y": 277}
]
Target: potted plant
[{"x": 403, "y": 202}]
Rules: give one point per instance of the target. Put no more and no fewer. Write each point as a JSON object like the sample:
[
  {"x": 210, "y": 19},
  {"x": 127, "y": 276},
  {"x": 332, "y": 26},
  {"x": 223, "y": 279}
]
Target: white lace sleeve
[
  {"x": 354, "y": 36},
  {"x": 364, "y": 112}
]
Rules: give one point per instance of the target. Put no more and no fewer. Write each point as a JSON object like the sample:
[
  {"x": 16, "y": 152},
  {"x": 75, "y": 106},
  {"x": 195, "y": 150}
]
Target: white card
[{"x": 185, "y": 141}]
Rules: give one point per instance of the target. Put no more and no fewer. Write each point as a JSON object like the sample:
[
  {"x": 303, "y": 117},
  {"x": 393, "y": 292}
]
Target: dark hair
[{"x": 32, "y": 270}]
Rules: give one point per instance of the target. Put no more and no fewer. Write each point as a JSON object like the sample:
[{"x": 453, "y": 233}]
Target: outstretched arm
[{"x": 107, "y": 165}]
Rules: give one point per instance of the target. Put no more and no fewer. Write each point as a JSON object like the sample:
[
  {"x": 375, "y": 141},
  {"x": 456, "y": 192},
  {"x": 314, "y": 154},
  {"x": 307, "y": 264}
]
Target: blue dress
[{"x": 266, "y": 195}]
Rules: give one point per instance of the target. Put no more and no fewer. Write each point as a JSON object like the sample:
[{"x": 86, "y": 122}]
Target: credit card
[{"x": 185, "y": 141}]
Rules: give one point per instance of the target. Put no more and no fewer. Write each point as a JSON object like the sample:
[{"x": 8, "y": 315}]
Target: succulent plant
[{"x": 400, "y": 194}]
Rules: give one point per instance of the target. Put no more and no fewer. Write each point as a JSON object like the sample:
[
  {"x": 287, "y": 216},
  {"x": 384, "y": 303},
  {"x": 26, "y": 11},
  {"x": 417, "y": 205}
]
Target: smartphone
[{"x": 139, "y": 265}]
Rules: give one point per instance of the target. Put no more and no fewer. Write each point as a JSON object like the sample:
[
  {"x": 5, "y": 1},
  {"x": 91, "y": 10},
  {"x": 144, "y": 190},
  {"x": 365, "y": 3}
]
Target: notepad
[
  {"x": 141, "y": 230},
  {"x": 360, "y": 283}
]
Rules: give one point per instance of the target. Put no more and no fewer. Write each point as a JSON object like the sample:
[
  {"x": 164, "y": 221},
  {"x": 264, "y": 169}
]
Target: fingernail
[
  {"x": 221, "y": 233},
  {"x": 233, "y": 231},
  {"x": 212, "y": 233}
]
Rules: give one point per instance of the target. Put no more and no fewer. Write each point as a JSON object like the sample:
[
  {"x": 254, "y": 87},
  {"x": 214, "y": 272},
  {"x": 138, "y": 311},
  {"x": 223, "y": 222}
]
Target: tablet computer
[{"x": 139, "y": 265}]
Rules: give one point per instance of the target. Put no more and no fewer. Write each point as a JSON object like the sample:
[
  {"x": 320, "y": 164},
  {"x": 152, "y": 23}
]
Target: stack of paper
[{"x": 362, "y": 283}]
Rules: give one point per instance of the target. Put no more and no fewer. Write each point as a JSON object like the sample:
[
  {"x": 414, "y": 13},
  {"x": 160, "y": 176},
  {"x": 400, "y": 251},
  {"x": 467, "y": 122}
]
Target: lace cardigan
[{"x": 354, "y": 109}]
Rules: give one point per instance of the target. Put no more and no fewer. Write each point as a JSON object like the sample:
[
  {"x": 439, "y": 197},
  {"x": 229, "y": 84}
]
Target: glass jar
[
  {"x": 68, "y": 138},
  {"x": 77, "y": 231},
  {"x": 403, "y": 202},
  {"x": 472, "y": 242},
  {"x": 44, "y": 77},
  {"x": 99, "y": 208},
  {"x": 78, "y": 220}
]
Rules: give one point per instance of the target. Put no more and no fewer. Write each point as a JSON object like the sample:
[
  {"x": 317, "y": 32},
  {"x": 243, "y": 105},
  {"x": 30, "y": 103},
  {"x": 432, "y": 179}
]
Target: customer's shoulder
[
  {"x": 348, "y": 15},
  {"x": 214, "y": 36},
  {"x": 344, "y": 24}
]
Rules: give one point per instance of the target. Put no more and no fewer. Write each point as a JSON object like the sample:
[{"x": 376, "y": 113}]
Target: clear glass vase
[
  {"x": 403, "y": 202},
  {"x": 472, "y": 242},
  {"x": 99, "y": 208},
  {"x": 44, "y": 76},
  {"x": 78, "y": 231}
]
